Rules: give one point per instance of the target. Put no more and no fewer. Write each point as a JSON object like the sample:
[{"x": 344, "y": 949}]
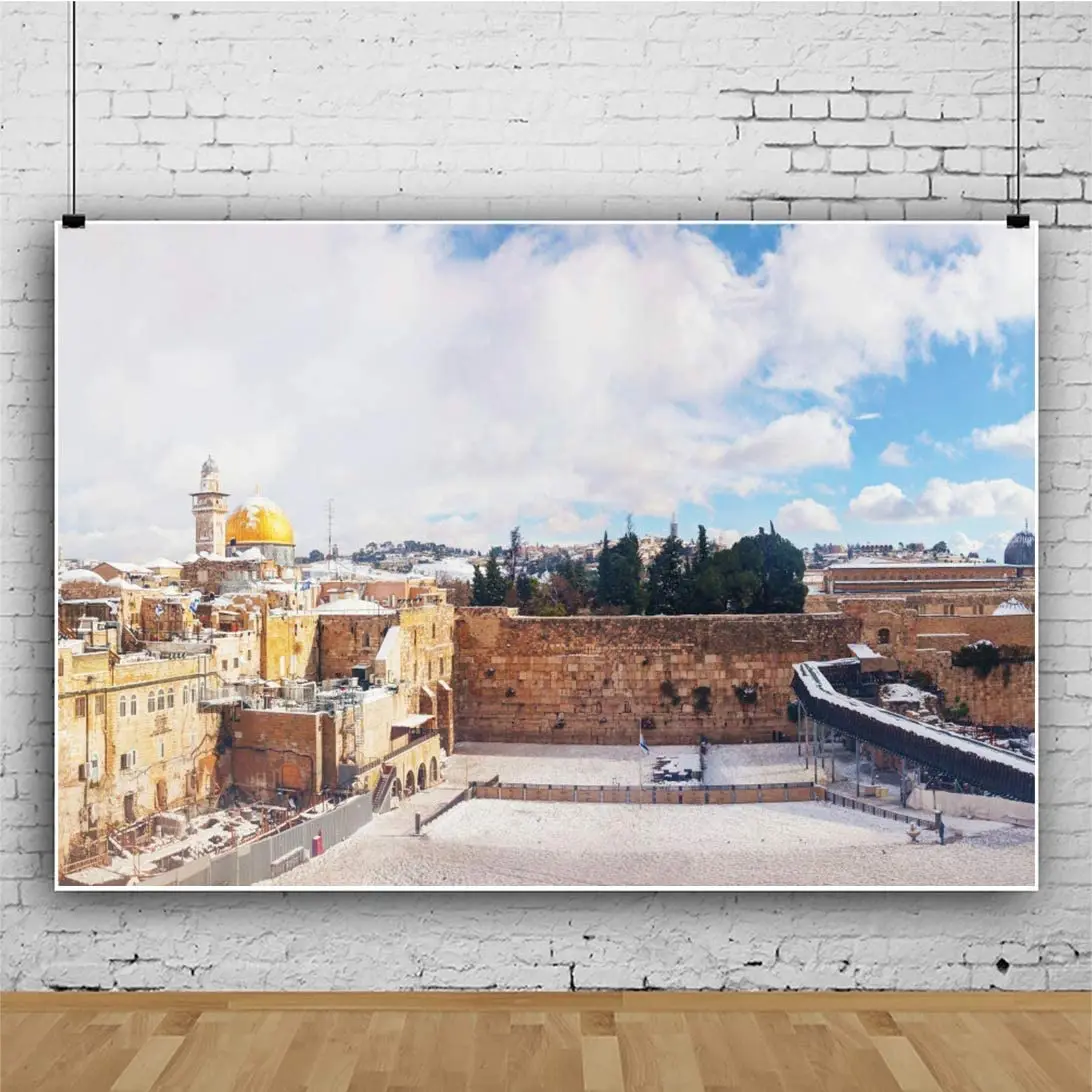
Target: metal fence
[
  {"x": 854, "y": 804},
  {"x": 262, "y": 860}
]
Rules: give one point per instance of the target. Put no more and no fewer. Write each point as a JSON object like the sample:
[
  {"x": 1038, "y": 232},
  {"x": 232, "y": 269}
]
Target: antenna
[{"x": 330, "y": 527}]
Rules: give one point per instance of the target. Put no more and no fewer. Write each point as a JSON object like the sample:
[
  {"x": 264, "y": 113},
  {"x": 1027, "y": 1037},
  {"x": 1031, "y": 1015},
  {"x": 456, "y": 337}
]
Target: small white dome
[
  {"x": 1012, "y": 606},
  {"x": 81, "y": 576}
]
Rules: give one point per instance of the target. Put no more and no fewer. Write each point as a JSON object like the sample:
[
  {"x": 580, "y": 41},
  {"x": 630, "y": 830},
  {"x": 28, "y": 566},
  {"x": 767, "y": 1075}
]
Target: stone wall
[
  {"x": 290, "y": 646},
  {"x": 351, "y": 639},
  {"x": 604, "y": 677},
  {"x": 274, "y": 749},
  {"x": 1005, "y": 697}
]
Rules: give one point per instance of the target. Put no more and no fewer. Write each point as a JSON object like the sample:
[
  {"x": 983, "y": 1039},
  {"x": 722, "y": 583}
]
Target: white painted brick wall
[{"x": 759, "y": 111}]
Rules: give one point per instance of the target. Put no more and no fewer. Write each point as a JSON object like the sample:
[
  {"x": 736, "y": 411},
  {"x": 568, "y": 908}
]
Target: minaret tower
[{"x": 210, "y": 511}]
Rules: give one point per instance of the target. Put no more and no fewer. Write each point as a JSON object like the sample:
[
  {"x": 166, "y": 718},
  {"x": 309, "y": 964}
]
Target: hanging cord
[
  {"x": 73, "y": 219},
  {"x": 1018, "y": 219}
]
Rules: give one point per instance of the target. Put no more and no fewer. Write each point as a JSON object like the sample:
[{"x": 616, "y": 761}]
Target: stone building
[
  {"x": 131, "y": 740},
  {"x": 869, "y": 576}
]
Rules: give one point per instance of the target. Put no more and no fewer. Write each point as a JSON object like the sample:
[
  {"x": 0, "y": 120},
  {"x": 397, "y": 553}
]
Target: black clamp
[
  {"x": 1018, "y": 220},
  {"x": 73, "y": 220}
]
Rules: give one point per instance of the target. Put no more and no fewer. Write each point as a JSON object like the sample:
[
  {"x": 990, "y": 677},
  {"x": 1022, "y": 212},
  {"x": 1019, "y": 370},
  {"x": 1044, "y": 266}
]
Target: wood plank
[{"x": 603, "y": 1043}]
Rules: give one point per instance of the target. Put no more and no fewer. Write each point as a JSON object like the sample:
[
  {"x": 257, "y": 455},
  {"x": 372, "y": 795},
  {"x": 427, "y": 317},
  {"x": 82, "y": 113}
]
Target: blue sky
[{"x": 852, "y": 382}]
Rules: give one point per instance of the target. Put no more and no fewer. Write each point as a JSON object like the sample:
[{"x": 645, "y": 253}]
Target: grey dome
[{"x": 1021, "y": 549}]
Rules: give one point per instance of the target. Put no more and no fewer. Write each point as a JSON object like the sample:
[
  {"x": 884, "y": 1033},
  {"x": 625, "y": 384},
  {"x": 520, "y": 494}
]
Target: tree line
[{"x": 759, "y": 574}]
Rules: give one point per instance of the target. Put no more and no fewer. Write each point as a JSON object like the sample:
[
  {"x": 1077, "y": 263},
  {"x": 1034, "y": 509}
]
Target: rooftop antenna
[{"x": 330, "y": 527}]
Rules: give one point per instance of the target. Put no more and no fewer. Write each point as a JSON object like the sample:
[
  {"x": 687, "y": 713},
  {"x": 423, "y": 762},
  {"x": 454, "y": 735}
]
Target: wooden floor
[{"x": 598, "y": 1042}]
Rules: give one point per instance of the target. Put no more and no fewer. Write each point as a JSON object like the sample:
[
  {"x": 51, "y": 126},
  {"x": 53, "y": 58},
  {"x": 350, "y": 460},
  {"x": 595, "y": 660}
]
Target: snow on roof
[
  {"x": 163, "y": 563},
  {"x": 863, "y": 652},
  {"x": 1012, "y": 606},
  {"x": 253, "y": 554},
  {"x": 121, "y": 582},
  {"x": 819, "y": 686},
  {"x": 894, "y": 563},
  {"x": 903, "y": 692},
  {"x": 129, "y": 567},
  {"x": 76, "y": 576},
  {"x": 353, "y": 605}
]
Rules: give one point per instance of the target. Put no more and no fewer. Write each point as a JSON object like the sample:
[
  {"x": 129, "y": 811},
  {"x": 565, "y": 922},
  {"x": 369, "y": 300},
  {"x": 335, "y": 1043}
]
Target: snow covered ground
[
  {"x": 488, "y": 842},
  {"x": 570, "y": 764}
]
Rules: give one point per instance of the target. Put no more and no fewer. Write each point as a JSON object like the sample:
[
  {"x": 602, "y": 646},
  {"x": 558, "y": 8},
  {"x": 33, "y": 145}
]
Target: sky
[{"x": 853, "y": 382}]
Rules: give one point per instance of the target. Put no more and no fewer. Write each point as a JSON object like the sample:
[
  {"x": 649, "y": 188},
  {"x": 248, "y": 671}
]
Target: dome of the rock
[{"x": 259, "y": 520}]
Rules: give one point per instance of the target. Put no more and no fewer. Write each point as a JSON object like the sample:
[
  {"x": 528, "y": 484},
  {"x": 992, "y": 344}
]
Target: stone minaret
[{"x": 210, "y": 511}]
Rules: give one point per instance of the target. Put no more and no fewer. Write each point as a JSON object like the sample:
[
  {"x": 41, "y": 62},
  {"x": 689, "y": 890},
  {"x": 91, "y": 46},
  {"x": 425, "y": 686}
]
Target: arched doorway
[
  {"x": 410, "y": 788},
  {"x": 396, "y": 788},
  {"x": 422, "y": 777},
  {"x": 433, "y": 772}
]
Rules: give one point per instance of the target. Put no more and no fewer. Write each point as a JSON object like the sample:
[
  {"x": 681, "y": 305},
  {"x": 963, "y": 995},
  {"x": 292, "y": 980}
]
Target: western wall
[{"x": 603, "y": 680}]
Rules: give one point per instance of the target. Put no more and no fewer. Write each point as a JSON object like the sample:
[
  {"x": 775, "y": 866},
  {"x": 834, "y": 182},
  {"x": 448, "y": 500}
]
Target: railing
[
  {"x": 782, "y": 792},
  {"x": 843, "y": 800}
]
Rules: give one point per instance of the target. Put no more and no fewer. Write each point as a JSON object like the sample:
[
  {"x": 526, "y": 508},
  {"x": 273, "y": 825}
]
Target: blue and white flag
[
  {"x": 643, "y": 745},
  {"x": 158, "y": 609}
]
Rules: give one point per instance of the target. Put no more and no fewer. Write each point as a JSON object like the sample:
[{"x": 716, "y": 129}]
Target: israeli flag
[
  {"x": 194, "y": 604},
  {"x": 643, "y": 745},
  {"x": 158, "y": 609}
]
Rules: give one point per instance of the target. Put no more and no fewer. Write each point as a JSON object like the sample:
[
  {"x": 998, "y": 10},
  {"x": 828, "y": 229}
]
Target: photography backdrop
[{"x": 746, "y": 111}]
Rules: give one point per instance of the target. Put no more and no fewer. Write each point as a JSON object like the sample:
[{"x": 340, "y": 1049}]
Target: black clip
[
  {"x": 1018, "y": 220},
  {"x": 73, "y": 220}
]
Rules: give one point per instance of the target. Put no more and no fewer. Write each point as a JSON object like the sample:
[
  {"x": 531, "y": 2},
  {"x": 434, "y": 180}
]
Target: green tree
[
  {"x": 515, "y": 546},
  {"x": 620, "y": 590},
  {"x": 478, "y": 593},
  {"x": 762, "y": 574},
  {"x": 940, "y": 548},
  {"x": 666, "y": 577},
  {"x": 496, "y": 587},
  {"x": 525, "y": 588}
]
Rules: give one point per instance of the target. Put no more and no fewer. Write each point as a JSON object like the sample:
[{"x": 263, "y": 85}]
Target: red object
[{"x": 316, "y": 845}]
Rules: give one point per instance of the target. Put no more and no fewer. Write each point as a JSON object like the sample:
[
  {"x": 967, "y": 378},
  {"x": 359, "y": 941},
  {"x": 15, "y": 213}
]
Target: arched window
[
  {"x": 123, "y": 705},
  {"x": 161, "y": 700},
  {"x": 151, "y": 701},
  {"x": 170, "y": 698},
  {"x": 132, "y": 705},
  {"x": 884, "y": 636},
  {"x": 185, "y": 695}
]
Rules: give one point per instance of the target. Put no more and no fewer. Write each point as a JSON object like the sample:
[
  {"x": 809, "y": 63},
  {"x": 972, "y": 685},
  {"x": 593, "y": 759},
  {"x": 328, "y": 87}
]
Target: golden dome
[{"x": 258, "y": 519}]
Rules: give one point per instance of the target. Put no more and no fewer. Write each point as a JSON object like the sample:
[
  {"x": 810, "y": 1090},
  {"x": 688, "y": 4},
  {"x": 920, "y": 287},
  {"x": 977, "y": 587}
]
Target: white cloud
[
  {"x": 942, "y": 447},
  {"x": 1017, "y": 438},
  {"x": 807, "y": 515},
  {"x": 435, "y": 394},
  {"x": 993, "y": 545},
  {"x": 944, "y": 500},
  {"x": 868, "y": 417},
  {"x": 723, "y": 538},
  {"x": 863, "y": 301},
  {"x": 1002, "y": 378},
  {"x": 895, "y": 455}
]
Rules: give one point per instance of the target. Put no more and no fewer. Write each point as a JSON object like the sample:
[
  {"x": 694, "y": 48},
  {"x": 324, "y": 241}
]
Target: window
[
  {"x": 223, "y": 665},
  {"x": 151, "y": 701},
  {"x": 100, "y": 703},
  {"x": 162, "y": 749},
  {"x": 884, "y": 636},
  {"x": 81, "y": 707},
  {"x": 132, "y": 705},
  {"x": 161, "y": 700},
  {"x": 60, "y": 669},
  {"x": 123, "y": 705},
  {"x": 185, "y": 695},
  {"x": 236, "y": 661},
  {"x": 170, "y": 698},
  {"x": 367, "y": 640},
  {"x": 248, "y": 655}
]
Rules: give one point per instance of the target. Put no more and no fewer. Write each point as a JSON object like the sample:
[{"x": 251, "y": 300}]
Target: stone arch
[
  {"x": 422, "y": 777},
  {"x": 410, "y": 786},
  {"x": 396, "y": 788}
]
